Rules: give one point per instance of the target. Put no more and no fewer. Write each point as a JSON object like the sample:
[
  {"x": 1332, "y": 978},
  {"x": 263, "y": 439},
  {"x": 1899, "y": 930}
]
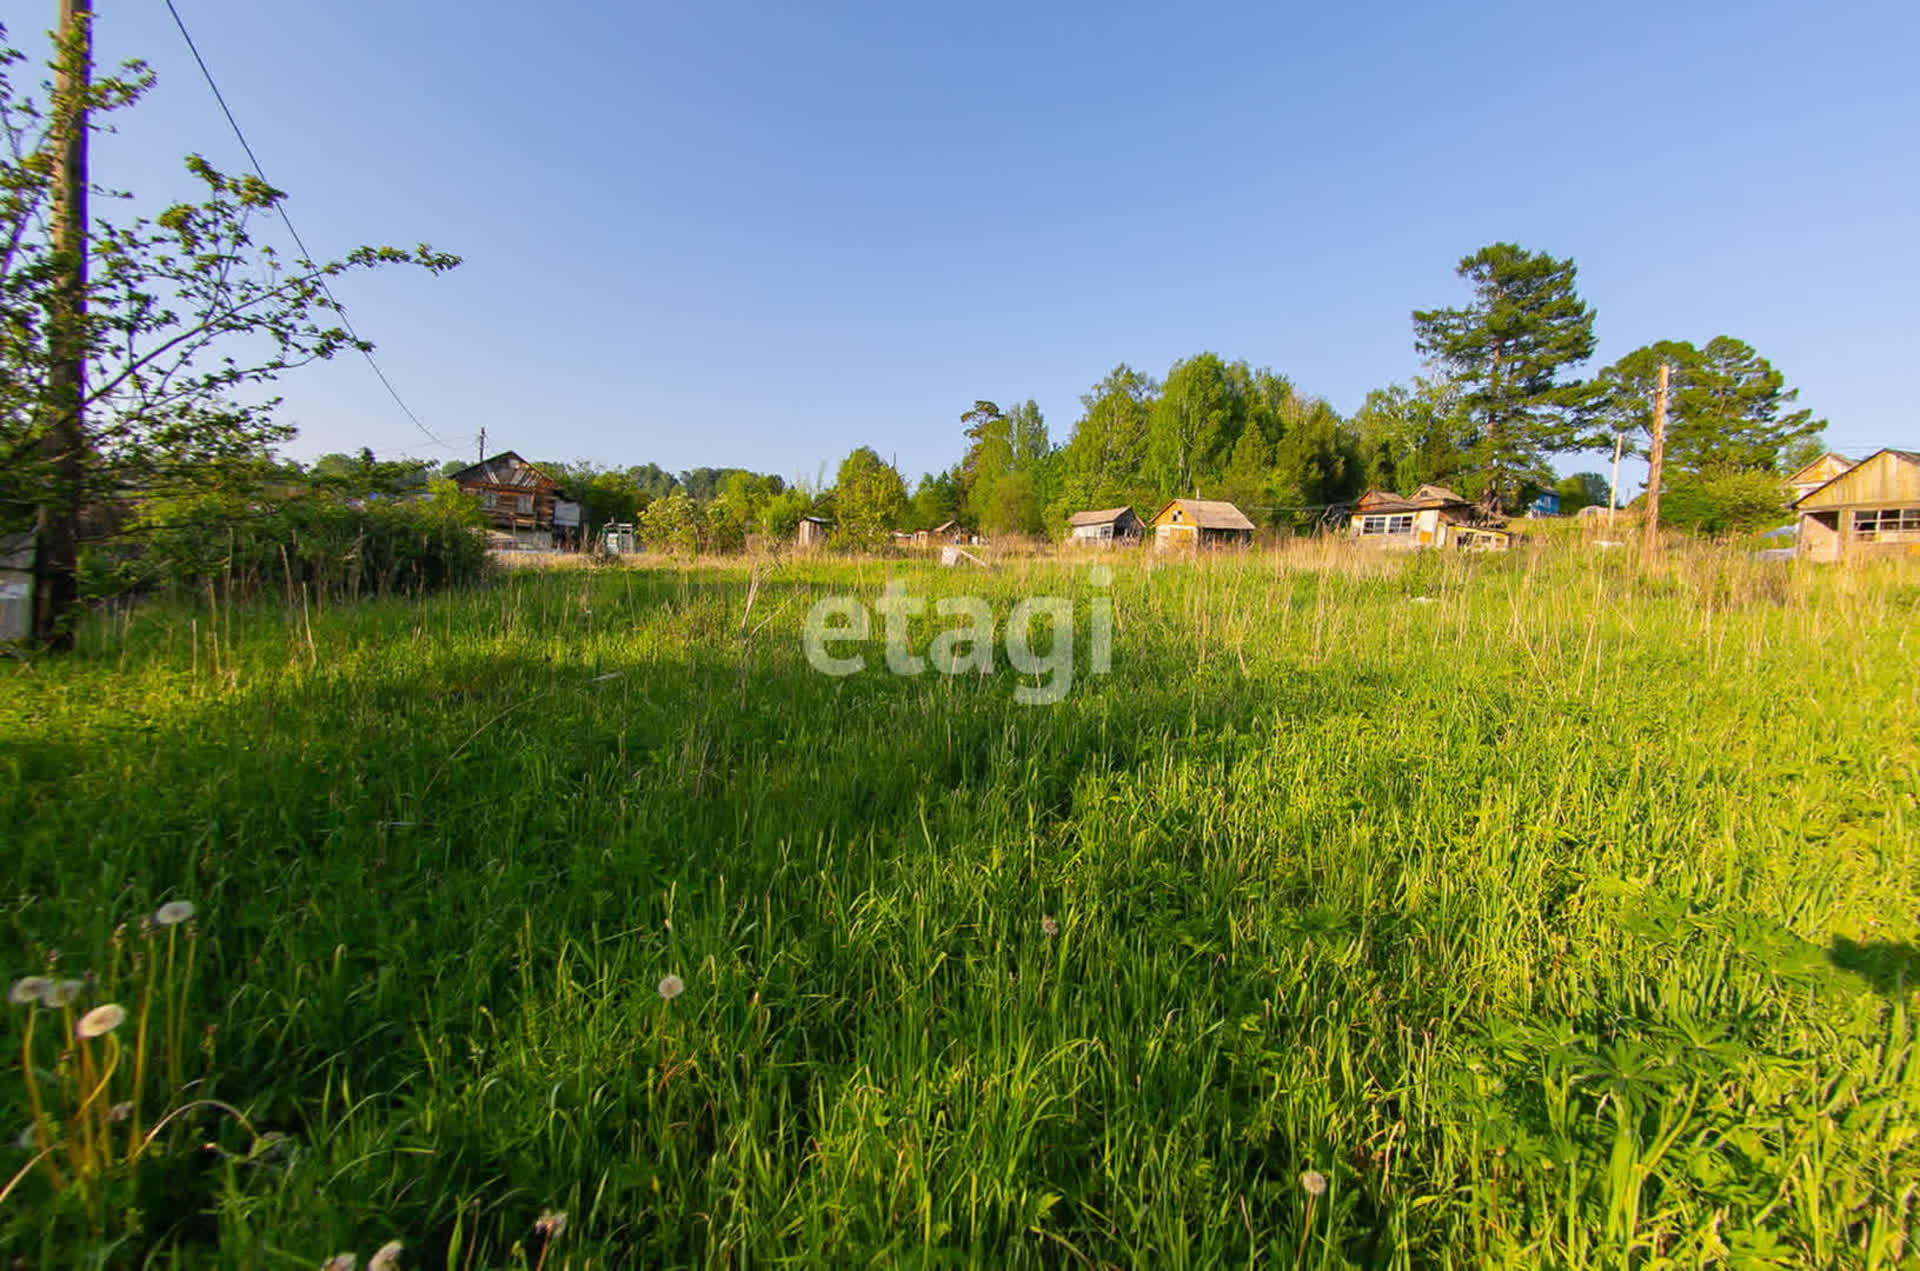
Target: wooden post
[
  {"x": 1655, "y": 455},
  {"x": 483, "y": 444},
  {"x": 63, "y": 448},
  {"x": 1613, "y": 486}
]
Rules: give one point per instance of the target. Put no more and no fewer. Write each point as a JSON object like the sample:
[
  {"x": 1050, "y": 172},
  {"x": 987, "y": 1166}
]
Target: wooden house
[
  {"x": 516, "y": 498},
  {"x": 1817, "y": 474},
  {"x": 1104, "y": 527},
  {"x": 1201, "y": 523},
  {"x": 1869, "y": 509},
  {"x": 1432, "y": 516}
]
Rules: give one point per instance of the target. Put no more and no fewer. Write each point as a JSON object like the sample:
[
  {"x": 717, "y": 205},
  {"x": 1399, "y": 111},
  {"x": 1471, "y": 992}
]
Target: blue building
[{"x": 1546, "y": 503}]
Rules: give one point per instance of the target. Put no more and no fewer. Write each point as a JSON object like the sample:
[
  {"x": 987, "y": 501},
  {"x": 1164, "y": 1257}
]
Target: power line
[{"x": 280, "y": 206}]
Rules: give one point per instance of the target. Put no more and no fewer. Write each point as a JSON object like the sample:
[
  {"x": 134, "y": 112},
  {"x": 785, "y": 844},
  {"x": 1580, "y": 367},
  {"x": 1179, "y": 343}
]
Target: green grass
[{"x": 1559, "y": 913}]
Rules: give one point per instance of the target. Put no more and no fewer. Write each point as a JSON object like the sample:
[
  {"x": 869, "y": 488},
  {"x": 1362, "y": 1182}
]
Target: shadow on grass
[{"x": 1892, "y": 967}]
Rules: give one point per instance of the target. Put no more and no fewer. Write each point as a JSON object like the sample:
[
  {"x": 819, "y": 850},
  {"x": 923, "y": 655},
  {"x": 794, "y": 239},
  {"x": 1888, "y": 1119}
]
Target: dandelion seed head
[
  {"x": 551, "y": 1223},
  {"x": 60, "y": 993},
  {"x": 173, "y": 913},
  {"x": 120, "y": 1111},
  {"x": 29, "y": 989},
  {"x": 386, "y": 1258},
  {"x": 26, "y": 1140},
  {"x": 672, "y": 986},
  {"x": 1314, "y": 1182},
  {"x": 1048, "y": 925},
  {"x": 340, "y": 1262},
  {"x": 100, "y": 1021}
]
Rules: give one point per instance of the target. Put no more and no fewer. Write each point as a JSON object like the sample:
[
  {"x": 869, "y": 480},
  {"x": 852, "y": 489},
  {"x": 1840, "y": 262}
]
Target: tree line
[{"x": 1501, "y": 398}]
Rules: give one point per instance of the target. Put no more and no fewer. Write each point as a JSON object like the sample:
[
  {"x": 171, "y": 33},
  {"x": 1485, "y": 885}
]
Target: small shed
[
  {"x": 1201, "y": 523},
  {"x": 16, "y": 586},
  {"x": 1817, "y": 474},
  {"x": 811, "y": 531},
  {"x": 1870, "y": 509},
  {"x": 1432, "y": 516},
  {"x": 1105, "y": 527}
]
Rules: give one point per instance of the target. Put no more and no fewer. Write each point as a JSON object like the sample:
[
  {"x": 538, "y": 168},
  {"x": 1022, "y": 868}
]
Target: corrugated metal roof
[
  {"x": 1101, "y": 517},
  {"x": 1209, "y": 514}
]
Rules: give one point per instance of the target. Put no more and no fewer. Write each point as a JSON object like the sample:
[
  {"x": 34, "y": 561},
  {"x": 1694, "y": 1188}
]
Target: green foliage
[
  {"x": 1526, "y": 918},
  {"x": 1727, "y": 408},
  {"x": 1508, "y": 352},
  {"x": 870, "y": 501},
  {"x": 671, "y": 524},
  {"x": 1582, "y": 489},
  {"x": 1725, "y": 502}
]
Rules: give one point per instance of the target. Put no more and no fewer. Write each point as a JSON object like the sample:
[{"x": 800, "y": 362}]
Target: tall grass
[{"x": 1375, "y": 911}]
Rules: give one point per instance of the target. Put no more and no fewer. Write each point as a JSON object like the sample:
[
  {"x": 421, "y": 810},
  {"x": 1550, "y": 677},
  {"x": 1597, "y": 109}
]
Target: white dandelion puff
[
  {"x": 672, "y": 986},
  {"x": 340, "y": 1262},
  {"x": 1048, "y": 925},
  {"x": 173, "y": 913},
  {"x": 100, "y": 1021},
  {"x": 120, "y": 1111},
  {"x": 60, "y": 993},
  {"x": 551, "y": 1223},
  {"x": 1314, "y": 1182},
  {"x": 29, "y": 989},
  {"x": 387, "y": 1257}
]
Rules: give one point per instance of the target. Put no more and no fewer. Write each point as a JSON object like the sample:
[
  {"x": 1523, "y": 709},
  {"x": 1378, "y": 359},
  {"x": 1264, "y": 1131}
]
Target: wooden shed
[
  {"x": 811, "y": 531},
  {"x": 1104, "y": 527},
  {"x": 1870, "y": 509},
  {"x": 1201, "y": 523}
]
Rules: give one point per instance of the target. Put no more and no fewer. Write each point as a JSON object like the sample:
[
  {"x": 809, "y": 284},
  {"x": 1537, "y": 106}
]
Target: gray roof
[{"x": 1102, "y": 517}]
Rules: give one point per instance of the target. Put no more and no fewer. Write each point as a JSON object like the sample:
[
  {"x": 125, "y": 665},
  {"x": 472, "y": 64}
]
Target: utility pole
[
  {"x": 1613, "y": 486},
  {"x": 63, "y": 448},
  {"x": 1655, "y": 454},
  {"x": 483, "y": 444}
]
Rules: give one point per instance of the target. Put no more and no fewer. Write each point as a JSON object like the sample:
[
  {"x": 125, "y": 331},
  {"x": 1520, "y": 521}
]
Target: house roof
[
  {"x": 942, "y": 528},
  {"x": 1101, "y": 517},
  {"x": 1803, "y": 475},
  {"x": 1208, "y": 514},
  {"x": 506, "y": 468},
  {"x": 1885, "y": 476},
  {"x": 1427, "y": 496}
]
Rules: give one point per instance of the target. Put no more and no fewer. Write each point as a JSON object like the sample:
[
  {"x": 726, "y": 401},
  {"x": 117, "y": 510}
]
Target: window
[
  {"x": 1890, "y": 524},
  {"x": 523, "y": 503},
  {"x": 1401, "y": 523},
  {"x": 486, "y": 499}
]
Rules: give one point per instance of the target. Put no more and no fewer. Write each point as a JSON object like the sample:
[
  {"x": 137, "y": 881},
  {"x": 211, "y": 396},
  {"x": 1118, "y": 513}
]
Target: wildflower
[
  {"x": 340, "y": 1262},
  {"x": 386, "y": 1258},
  {"x": 27, "y": 989},
  {"x": 551, "y": 1223},
  {"x": 62, "y": 992},
  {"x": 100, "y": 1021},
  {"x": 1048, "y": 925},
  {"x": 672, "y": 986},
  {"x": 1314, "y": 1182},
  {"x": 173, "y": 913}
]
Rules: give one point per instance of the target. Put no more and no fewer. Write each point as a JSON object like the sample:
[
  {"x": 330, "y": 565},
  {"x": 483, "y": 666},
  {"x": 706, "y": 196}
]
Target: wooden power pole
[
  {"x": 1656, "y": 453},
  {"x": 64, "y": 447}
]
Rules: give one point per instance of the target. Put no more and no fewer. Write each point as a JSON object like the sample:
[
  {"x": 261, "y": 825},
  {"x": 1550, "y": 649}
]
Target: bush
[
  {"x": 1729, "y": 503},
  {"x": 293, "y": 534}
]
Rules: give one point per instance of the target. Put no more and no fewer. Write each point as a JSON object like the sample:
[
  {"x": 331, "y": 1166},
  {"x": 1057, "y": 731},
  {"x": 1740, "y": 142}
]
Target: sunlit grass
[{"x": 1526, "y": 910}]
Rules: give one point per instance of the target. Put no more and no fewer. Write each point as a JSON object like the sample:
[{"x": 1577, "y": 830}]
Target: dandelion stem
[
  {"x": 140, "y": 1055},
  {"x": 40, "y": 1136}
]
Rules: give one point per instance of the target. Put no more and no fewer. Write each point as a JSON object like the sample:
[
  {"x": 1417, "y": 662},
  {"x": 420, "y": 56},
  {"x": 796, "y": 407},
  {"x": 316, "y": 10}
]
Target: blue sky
[{"x": 763, "y": 234}]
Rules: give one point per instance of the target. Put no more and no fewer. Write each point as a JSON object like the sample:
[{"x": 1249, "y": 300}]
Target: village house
[
  {"x": 520, "y": 502},
  {"x": 1817, "y": 474},
  {"x": 1432, "y": 516},
  {"x": 1869, "y": 509},
  {"x": 1201, "y": 523},
  {"x": 1104, "y": 527},
  {"x": 947, "y": 533}
]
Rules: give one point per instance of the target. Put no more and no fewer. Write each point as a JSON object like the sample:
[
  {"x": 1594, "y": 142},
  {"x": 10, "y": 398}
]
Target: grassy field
[{"x": 1538, "y": 910}]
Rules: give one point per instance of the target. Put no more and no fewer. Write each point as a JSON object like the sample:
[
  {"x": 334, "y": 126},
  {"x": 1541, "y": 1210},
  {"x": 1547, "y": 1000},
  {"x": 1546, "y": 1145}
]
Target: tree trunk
[
  {"x": 1656, "y": 457},
  {"x": 56, "y": 562}
]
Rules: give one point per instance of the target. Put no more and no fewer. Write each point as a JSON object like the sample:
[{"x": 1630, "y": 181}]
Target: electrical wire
[{"x": 281, "y": 207}]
